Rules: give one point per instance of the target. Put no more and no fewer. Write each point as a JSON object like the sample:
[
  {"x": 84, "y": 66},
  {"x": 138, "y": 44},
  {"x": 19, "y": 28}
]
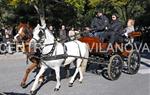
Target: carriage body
[{"x": 111, "y": 60}]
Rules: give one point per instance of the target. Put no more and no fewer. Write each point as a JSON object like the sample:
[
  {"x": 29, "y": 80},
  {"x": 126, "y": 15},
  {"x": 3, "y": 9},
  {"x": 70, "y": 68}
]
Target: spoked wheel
[
  {"x": 115, "y": 67},
  {"x": 133, "y": 62}
]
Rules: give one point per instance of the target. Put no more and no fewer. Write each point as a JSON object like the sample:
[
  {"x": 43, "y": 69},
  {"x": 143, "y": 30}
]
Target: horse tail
[{"x": 85, "y": 59}]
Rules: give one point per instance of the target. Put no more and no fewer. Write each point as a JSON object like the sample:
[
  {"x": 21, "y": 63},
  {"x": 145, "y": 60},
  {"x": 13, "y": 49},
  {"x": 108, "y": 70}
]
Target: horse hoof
[
  {"x": 32, "y": 92},
  {"x": 41, "y": 81},
  {"x": 80, "y": 82},
  {"x": 70, "y": 84},
  {"x": 23, "y": 85},
  {"x": 56, "y": 89}
]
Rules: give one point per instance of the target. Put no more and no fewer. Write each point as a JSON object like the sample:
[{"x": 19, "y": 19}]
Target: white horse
[{"x": 77, "y": 50}]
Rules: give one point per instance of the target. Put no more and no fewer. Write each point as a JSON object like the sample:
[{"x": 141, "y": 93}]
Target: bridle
[
  {"x": 43, "y": 35},
  {"x": 27, "y": 34}
]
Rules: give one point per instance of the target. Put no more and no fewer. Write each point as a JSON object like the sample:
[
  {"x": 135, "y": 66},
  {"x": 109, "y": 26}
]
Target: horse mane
[{"x": 24, "y": 25}]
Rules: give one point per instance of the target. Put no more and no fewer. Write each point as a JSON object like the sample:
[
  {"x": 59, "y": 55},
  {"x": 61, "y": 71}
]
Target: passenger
[
  {"x": 115, "y": 30},
  {"x": 86, "y": 32},
  {"x": 99, "y": 23},
  {"x": 129, "y": 28}
]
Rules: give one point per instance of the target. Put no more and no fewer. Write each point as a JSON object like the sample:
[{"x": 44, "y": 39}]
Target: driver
[{"x": 99, "y": 24}]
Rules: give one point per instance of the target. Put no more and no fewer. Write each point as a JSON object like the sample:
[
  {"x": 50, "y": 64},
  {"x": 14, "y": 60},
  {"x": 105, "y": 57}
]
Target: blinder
[{"x": 41, "y": 33}]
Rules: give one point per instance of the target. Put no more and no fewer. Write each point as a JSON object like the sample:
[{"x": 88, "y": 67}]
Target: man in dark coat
[
  {"x": 99, "y": 23},
  {"x": 116, "y": 25},
  {"x": 115, "y": 30}
]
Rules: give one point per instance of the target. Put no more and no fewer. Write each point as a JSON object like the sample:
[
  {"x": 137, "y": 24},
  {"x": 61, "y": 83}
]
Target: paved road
[{"x": 12, "y": 68}]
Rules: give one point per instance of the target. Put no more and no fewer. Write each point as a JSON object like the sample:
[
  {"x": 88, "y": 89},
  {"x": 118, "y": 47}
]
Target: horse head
[
  {"x": 42, "y": 34},
  {"x": 24, "y": 33}
]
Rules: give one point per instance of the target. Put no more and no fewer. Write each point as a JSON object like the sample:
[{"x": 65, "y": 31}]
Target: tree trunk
[
  {"x": 126, "y": 12},
  {"x": 41, "y": 14}
]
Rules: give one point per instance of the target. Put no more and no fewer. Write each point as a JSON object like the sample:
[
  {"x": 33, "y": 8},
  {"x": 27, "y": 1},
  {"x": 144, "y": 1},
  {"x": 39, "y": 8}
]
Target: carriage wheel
[
  {"x": 115, "y": 67},
  {"x": 133, "y": 62}
]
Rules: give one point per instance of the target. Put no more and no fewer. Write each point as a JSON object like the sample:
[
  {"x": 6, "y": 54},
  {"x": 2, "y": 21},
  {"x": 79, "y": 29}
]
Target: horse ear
[
  {"x": 38, "y": 25},
  {"x": 44, "y": 26}
]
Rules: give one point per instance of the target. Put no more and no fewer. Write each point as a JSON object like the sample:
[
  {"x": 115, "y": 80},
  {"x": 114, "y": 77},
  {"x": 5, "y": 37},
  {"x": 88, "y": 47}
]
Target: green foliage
[
  {"x": 16, "y": 2},
  {"x": 71, "y": 12},
  {"x": 94, "y": 3},
  {"x": 124, "y": 8},
  {"x": 6, "y": 13},
  {"x": 78, "y": 4},
  {"x": 119, "y": 3}
]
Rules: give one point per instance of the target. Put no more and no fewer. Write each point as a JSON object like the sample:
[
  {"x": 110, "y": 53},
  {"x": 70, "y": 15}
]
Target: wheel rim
[
  {"x": 115, "y": 67},
  {"x": 133, "y": 62}
]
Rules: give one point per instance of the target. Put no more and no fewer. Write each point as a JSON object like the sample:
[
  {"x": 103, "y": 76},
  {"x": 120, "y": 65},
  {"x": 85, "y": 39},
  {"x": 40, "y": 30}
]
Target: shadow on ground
[{"x": 12, "y": 93}]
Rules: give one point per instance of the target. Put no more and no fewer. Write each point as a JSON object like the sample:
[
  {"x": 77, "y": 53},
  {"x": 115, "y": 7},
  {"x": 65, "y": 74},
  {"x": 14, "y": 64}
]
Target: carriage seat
[
  {"x": 132, "y": 35},
  {"x": 135, "y": 34}
]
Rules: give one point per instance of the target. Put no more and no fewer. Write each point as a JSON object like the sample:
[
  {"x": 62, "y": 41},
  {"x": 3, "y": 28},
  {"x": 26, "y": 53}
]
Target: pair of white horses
[{"x": 74, "y": 48}]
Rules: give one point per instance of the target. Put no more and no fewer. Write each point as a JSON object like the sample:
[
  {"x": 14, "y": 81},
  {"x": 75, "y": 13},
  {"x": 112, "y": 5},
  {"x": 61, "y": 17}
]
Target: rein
[
  {"x": 49, "y": 55},
  {"x": 45, "y": 45},
  {"x": 26, "y": 37},
  {"x": 52, "y": 50}
]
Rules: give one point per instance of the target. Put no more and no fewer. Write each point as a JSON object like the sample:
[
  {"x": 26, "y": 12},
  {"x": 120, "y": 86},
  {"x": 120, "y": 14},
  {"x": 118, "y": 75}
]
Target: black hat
[
  {"x": 116, "y": 15},
  {"x": 98, "y": 11}
]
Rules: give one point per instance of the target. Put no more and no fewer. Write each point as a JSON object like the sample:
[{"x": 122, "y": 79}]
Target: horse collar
[{"x": 52, "y": 50}]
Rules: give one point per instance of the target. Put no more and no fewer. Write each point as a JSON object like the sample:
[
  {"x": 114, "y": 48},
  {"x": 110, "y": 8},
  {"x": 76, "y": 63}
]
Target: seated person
[
  {"x": 99, "y": 23},
  {"x": 129, "y": 28},
  {"x": 86, "y": 32},
  {"x": 115, "y": 30}
]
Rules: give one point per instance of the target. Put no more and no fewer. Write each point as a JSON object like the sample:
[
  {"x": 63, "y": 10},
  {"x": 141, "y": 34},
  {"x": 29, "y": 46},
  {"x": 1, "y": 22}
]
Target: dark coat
[
  {"x": 99, "y": 23},
  {"x": 63, "y": 36},
  {"x": 116, "y": 27}
]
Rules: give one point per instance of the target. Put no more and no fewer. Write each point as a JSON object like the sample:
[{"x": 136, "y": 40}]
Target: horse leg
[
  {"x": 73, "y": 78},
  {"x": 67, "y": 70},
  {"x": 57, "y": 71},
  {"x": 76, "y": 72},
  {"x": 42, "y": 70},
  {"x": 28, "y": 70},
  {"x": 82, "y": 67},
  {"x": 81, "y": 74}
]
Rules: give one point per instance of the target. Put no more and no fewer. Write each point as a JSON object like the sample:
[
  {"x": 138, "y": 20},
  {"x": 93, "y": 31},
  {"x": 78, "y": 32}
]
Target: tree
[
  {"x": 6, "y": 13},
  {"x": 52, "y": 11},
  {"x": 128, "y": 8},
  {"x": 70, "y": 12},
  {"x": 143, "y": 20},
  {"x": 39, "y": 5},
  {"x": 124, "y": 8}
]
